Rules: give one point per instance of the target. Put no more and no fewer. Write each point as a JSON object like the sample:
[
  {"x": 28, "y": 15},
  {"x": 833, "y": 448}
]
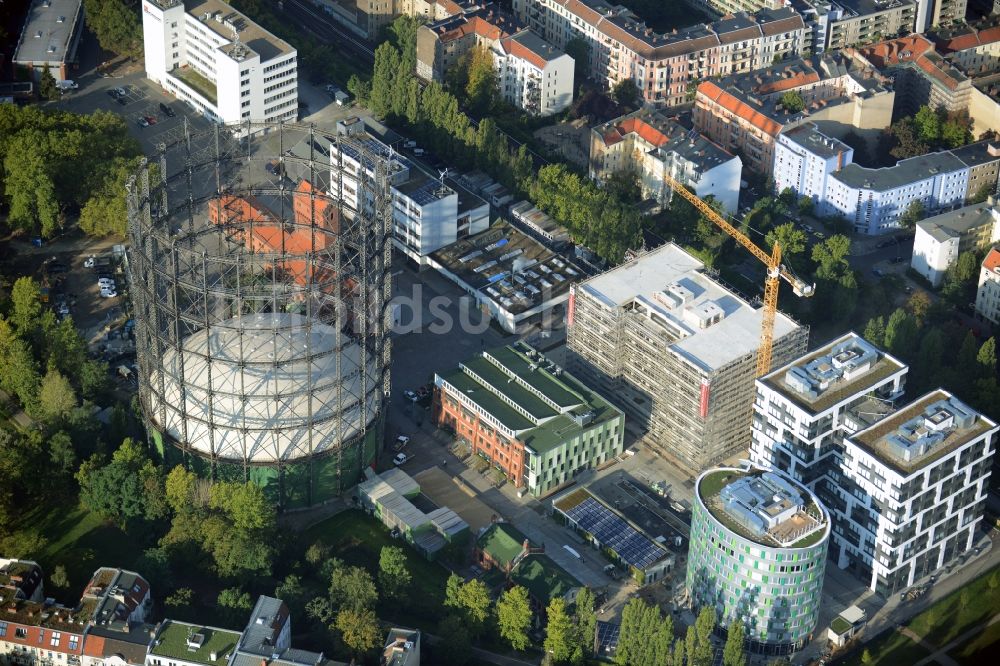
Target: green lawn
[
  {"x": 80, "y": 541},
  {"x": 949, "y": 618},
  {"x": 979, "y": 647},
  {"x": 358, "y": 539}
]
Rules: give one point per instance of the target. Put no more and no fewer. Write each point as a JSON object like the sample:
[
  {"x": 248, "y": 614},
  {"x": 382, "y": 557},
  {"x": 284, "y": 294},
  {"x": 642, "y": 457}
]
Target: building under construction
[
  {"x": 260, "y": 307},
  {"x": 677, "y": 350}
]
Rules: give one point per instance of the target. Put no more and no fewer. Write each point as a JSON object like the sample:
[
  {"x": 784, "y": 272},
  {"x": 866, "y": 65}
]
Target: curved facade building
[
  {"x": 758, "y": 554},
  {"x": 259, "y": 277}
]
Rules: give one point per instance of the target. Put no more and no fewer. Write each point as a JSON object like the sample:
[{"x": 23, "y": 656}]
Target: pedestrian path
[{"x": 945, "y": 660}]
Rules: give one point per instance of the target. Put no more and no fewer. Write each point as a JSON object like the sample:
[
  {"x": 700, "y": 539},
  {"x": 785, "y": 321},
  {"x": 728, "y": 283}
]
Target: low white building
[
  {"x": 804, "y": 158},
  {"x": 988, "y": 295},
  {"x": 653, "y": 146},
  {"x": 219, "y": 61},
  {"x": 940, "y": 239},
  {"x": 533, "y": 75}
]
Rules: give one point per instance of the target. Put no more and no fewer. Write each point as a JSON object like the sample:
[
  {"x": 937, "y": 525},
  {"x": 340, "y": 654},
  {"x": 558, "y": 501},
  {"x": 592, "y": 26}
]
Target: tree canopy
[{"x": 514, "y": 617}]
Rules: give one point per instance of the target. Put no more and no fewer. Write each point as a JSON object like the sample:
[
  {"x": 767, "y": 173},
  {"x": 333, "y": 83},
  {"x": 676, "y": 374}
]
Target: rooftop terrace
[
  {"x": 836, "y": 371},
  {"x": 195, "y": 643},
  {"x": 762, "y": 506},
  {"x": 922, "y": 432}
]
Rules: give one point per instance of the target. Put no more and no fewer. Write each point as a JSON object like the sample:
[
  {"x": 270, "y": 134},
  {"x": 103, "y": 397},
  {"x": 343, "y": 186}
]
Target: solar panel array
[
  {"x": 613, "y": 532},
  {"x": 607, "y": 637}
]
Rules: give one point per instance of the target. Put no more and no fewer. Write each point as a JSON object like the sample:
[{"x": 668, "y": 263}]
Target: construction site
[{"x": 260, "y": 308}]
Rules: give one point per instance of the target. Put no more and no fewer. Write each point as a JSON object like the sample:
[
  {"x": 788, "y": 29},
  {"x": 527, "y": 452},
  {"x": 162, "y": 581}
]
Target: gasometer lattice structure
[{"x": 259, "y": 265}]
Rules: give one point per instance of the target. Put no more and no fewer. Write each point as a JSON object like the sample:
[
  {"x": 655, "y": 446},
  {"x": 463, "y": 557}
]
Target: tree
[
  {"x": 626, "y": 93},
  {"x": 866, "y": 657},
  {"x": 47, "y": 85},
  {"x": 352, "y": 588},
  {"x": 904, "y": 134},
  {"x": 56, "y": 398},
  {"x": 734, "y": 654},
  {"x": 645, "y": 636},
  {"x": 180, "y": 600},
  {"x": 558, "y": 631},
  {"x": 393, "y": 575},
  {"x": 456, "y": 650},
  {"x": 578, "y": 49},
  {"x": 481, "y": 81},
  {"x": 472, "y": 600},
  {"x": 316, "y": 553},
  {"x": 901, "y": 334},
  {"x": 987, "y": 358},
  {"x": 123, "y": 490},
  {"x": 26, "y": 301},
  {"x": 704, "y": 625},
  {"x": 831, "y": 257},
  {"x": 154, "y": 563},
  {"x": 292, "y": 592},
  {"x": 235, "y": 604},
  {"x": 792, "y": 101},
  {"x": 116, "y": 26},
  {"x": 791, "y": 238},
  {"x": 586, "y": 621},
  {"x": 919, "y": 304},
  {"x": 245, "y": 504},
  {"x": 913, "y": 214},
  {"x": 514, "y": 617},
  {"x": 61, "y": 453},
  {"x": 359, "y": 629},
  {"x": 59, "y": 578},
  {"x": 875, "y": 331},
  {"x": 929, "y": 357},
  {"x": 928, "y": 125}
]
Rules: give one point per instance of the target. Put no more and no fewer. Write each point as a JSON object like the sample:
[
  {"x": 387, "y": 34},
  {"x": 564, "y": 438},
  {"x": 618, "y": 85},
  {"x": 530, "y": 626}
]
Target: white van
[{"x": 67, "y": 85}]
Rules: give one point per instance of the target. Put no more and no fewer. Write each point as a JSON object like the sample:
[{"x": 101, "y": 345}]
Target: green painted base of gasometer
[{"x": 296, "y": 484}]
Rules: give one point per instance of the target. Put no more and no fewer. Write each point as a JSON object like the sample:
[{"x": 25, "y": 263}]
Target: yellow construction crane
[{"x": 775, "y": 271}]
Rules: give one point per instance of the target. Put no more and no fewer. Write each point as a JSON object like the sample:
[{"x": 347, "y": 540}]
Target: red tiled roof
[
  {"x": 738, "y": 107},
  {"x": 475, "y": 25},
  {"x": 93, "y": 646},
  {"x": 970, "y": 40},
  {"x": 935, "y": 71},
  {"x": 894, "y": 51},
  {"x": 992, "y": 260},
  {"x": 800, "y": 79}
]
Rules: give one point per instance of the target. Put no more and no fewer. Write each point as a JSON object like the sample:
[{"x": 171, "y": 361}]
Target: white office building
[
  {"x": 220, "y": 62},
  {"x": 905, "y": 487},
  {"x": 988, "y": 294},
  {"x": 532, "y": 74},
  {"x": 804, "y": 158},
  {"x": 940, "y": 239},
  {"x": 428, "y": 212}
]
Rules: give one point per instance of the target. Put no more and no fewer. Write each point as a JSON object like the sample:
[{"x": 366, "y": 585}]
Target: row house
[{"x": 664, "y": 65}]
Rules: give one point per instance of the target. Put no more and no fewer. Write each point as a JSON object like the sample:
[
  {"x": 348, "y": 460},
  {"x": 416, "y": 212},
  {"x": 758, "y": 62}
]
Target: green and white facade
[{"x": 757, "y": 553}]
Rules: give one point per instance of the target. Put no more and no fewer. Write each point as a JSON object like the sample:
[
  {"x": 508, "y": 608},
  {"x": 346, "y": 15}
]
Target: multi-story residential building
[
  {"x": 946, "y": 12},
  {"x": 663, "y": 66},
  {"x": 905, "y": 488},
  {"x": 528, "y": 417},
  {"x": 976, "y": 51},
  {"x": 675, "y": 350},
  {"x": 854, "y": 22},
  {"x": 428, "y": 213},
  {"x": 533, "y": 75},
  {"x": 441, "y": 44},
  {"x": 988, "y": 294},
  {"x": 651, "y": 145},
  {"x": 744, "y": 113},
  {"x": 35, "y": 630},
  {"x": 757, "y": 554},
  {"x": 913, "y": 490},
  {"x": 367, "y": 18},
  {"x": 940, "y": 239},
  {"x": 732, "y": 6},
  {"x": 817, "y": 165},
  {"x": 187, "y": 644},
  {"x": 219, "y": 61},
  {"x": 50, "y": 38},
  {"x": 804, "y": 158}
]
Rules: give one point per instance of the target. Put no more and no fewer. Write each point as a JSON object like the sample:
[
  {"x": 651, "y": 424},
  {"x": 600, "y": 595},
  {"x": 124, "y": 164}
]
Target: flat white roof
[{"x": 733, "y": 337}]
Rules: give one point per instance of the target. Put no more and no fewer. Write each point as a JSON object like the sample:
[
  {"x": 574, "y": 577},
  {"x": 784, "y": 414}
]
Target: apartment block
[
  {"x": 663, "y": 66},
  {"x": 219, "y": 61},
  {"x": 532, "y": 75},
  {"x": 528, "y": 417},
  {"x": 940, "y": 239},
  {"x": 804, "y": 158},
  {"x": 650, "y": 144},
  {"x": 855, "y": 22},
  {"x": 724, "y": 7},
  {"x": 441, "y": 44},
  {"x": 757, "y": 554},
  {"x": 988, "y": 294},
  {"x": 367, "y": 18},
  {"x": 744, "y": 113},
  {"x": 905, "y": 486},
  {"x": 976, "y": 51},
  {"x": 817, "y": 165},
  {"x": 675, "y": 350}
]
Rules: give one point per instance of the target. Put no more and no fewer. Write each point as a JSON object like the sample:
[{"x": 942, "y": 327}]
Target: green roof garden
[
  {"x": 840, "y": 625},
  {"x": 199, "y": 83},
  {"x": 502, "y": 383},
  {"x": 541, "y": 379},
  {"x": 172, "y": 642},
  {"x": 502, "y": 542}
]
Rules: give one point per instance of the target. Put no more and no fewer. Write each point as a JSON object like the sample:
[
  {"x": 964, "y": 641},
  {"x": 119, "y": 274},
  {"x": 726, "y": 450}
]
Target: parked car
[
  {"x": 410, "y": 395},
  {"x": 167, "y": 111},
  {"x": 142, "y": 122},
  {"x": 109, "y": 293},
  {"x": 120, "y": 92},
  {"x": 151, "y": 120},
  {"x": 63, "y": 308},
  {"x": 63, "y": 86},
  {"x": 106, "y": 283},
  {"x": 400, "y": 459},
  {"x": 89, "y": 262}
]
